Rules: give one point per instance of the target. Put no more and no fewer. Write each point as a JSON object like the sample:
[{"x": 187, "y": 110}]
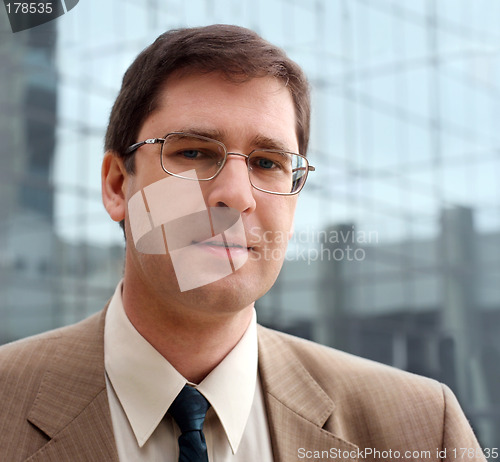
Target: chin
[{"x": 229, "y": 294}]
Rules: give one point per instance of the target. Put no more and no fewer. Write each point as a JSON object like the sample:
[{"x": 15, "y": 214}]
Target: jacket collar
[
  {"x": 71, "y": 406},
  {"x": 298, "y": 408}
]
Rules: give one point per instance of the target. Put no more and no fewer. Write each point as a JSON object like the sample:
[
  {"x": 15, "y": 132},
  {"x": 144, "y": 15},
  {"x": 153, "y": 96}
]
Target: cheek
[
  {"x": 277, "y": 220},
  {"x": 283, "y": 212}
]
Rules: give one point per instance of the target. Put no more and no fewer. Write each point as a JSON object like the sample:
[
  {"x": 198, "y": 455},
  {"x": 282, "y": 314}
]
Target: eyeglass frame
[{"x": 134, "y": 147}]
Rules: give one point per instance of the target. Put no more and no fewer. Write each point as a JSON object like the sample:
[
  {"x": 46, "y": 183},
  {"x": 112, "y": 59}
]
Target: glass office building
[{"x": 396, "y": 252}]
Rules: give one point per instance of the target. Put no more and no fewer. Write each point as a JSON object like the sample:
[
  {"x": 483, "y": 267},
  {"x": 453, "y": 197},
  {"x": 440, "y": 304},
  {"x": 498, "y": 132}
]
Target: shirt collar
[
  {"x": 230, "y": 387},
  {"x": 146, "y": 383}
]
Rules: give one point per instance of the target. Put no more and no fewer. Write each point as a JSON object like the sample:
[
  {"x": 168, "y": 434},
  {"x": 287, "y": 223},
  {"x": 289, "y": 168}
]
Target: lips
[{"x": 222, "y": 244}]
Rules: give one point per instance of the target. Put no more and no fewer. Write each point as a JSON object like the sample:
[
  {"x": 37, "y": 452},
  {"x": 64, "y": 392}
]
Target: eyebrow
[
  {"x": 264, "y": 142},
  {"x": 213, "y": 133},
  {"x": 257, "y": 142}
]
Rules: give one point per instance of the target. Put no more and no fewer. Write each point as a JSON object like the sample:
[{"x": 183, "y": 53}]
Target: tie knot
[{"x": 189, "y": 409}]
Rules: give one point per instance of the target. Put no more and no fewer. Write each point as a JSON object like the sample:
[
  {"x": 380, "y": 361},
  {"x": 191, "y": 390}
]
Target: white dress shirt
[{"x": 141, "y": 385}]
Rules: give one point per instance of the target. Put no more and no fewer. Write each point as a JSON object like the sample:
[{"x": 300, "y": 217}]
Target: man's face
[{"x": 255, "y": 114}]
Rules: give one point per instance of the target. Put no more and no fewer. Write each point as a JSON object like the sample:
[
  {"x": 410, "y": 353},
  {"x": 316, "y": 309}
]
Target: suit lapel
[
  {"x": 298, "y": 408},
  {"x": 72, "y": 406}
]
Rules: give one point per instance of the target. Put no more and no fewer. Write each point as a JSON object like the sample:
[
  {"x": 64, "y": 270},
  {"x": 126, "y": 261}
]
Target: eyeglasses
[{"x": 269, "y": 170}]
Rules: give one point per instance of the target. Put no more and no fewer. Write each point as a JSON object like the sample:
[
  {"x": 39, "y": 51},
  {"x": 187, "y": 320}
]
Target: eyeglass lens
[{"x": 269, "y": 170}]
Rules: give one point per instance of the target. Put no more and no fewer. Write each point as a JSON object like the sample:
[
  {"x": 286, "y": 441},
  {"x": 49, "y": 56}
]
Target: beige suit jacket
[{"x": 322, "y": 404}]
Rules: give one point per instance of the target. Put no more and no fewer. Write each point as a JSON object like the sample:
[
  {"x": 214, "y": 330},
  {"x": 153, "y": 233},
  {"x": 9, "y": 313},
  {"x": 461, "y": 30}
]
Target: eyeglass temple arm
[
  {"x": 136, "y": 146},
  {"x": 310, "y": 168}
]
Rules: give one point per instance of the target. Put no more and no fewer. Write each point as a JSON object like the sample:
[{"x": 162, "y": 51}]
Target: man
[{"x": 204, "y": 159}]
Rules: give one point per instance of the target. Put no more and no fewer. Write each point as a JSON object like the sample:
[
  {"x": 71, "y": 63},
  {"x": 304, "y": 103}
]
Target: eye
[
  {"x": 268, "y": 161},
  {"x": 190, "y": 153},
  {"x": 265, "y": 164},
  {"x": 194, "y": 154}
]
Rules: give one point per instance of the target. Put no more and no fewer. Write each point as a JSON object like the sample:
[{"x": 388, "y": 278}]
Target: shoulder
[
  {"x": 351, "y": 378},
  {"x": 77, "y": 332},
  {"x": 29, "y": 357},
  {"x": 372, "y": 402},
  {"x": 48, "y": 375}
]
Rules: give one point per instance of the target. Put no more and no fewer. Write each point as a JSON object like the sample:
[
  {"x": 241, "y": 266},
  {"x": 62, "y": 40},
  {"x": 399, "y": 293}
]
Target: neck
[{"x": 194, "y": 339}]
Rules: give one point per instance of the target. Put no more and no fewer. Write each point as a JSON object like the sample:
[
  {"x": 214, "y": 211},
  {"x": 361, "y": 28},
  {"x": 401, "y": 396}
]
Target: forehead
[{"x": 259, "y": 107}]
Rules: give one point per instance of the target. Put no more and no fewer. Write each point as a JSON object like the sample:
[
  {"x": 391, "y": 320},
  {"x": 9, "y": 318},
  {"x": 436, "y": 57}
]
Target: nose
[{"x": 232, "y": 187}]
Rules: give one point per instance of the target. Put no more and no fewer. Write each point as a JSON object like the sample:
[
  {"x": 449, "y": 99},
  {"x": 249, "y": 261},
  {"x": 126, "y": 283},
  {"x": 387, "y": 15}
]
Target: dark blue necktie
[{"x": 189, "y": 410}]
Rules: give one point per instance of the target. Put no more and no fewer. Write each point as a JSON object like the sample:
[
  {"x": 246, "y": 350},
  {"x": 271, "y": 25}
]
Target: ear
[{"x": 113, "y": 176}]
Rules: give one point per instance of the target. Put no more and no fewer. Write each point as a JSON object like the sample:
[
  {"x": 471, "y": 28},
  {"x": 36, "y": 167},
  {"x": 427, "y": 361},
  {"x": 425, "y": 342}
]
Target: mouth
[{"x": 223, "y": 245}]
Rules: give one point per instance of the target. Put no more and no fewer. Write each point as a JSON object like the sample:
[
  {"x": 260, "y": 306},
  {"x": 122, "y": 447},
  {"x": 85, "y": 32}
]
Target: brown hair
[{"x": 238, "y": 53}]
